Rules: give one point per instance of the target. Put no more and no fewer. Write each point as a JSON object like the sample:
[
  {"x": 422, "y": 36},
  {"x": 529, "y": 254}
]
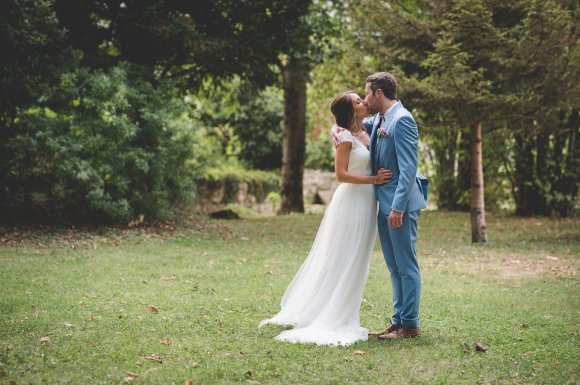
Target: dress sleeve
[{"x": 345, "y": 136}]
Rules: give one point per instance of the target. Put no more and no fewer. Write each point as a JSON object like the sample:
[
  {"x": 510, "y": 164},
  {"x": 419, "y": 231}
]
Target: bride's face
[{"x": 359, "y": 106}]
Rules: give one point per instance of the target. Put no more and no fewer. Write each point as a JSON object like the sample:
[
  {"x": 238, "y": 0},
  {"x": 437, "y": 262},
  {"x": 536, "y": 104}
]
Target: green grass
[{"x": 214, "y": 281}]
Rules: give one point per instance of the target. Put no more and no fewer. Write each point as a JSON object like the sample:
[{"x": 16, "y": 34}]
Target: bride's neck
[{"x": 356, "y": 126}]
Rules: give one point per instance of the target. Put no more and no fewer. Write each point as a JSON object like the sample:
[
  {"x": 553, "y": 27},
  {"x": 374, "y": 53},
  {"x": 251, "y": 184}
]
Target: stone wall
[
  {"x": 214, "y": 195},
  {"x": 319, "y": 186}
]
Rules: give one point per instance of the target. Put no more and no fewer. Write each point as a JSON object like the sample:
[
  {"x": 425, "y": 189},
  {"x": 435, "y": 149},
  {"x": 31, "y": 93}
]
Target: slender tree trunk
[
  {"x": 294, "y": 143},
  {"x": 478, "y": 227}
]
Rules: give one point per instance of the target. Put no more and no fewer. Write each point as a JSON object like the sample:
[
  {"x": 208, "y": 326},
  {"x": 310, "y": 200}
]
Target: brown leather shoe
[
  {"x": 388, "y": 330},
  {"x": 401, "y": 333}
]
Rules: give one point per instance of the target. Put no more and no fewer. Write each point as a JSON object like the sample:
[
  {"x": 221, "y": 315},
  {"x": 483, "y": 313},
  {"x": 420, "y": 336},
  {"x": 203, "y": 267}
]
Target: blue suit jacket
[{"x": 407, "y": 190}]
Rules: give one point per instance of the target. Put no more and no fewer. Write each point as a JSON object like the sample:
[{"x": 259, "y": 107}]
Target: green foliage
[
  {"x": 33, "y": 55},
  {"x": 502, "y": 63},
  {"x": 239, "y": 122},
  {"x": 319, "y": 152},
  {"x": 115, "y": 150}
]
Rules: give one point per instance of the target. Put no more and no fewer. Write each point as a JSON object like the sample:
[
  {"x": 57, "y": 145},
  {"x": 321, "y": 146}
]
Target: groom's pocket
[{"x": 414, "y": 215}]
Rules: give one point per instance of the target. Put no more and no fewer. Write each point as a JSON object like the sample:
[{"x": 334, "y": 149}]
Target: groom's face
[{"x": 371, "y": 100}]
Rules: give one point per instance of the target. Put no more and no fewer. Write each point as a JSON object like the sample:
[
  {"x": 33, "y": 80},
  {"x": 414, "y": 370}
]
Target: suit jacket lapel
[{"x": 390, "y": 116}]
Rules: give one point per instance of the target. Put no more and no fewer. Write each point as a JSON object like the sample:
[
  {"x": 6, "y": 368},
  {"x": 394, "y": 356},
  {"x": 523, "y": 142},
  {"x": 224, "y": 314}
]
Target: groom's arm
[
  {"x": 368, "y": 124},
  {"x": 406, "y": 145}
]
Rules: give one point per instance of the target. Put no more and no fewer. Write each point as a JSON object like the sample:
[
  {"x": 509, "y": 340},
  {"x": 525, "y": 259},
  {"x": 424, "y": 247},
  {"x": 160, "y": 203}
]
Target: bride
[{"x": 323, "y": 300}]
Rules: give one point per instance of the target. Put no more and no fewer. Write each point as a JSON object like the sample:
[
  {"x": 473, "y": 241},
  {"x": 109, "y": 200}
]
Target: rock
[{"x": 224, "y": 214}]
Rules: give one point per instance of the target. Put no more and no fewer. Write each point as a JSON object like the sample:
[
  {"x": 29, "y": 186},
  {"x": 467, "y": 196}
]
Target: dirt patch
[{"x": 516, "y": 267}]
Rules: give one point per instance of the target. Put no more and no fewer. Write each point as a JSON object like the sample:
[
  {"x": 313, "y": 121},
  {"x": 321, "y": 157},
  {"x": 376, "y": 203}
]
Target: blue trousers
[{"x": 400, "y": 252}]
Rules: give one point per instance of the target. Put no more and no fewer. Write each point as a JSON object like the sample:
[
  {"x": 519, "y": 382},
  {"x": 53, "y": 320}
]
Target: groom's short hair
[{"x": 386, "y": 82}]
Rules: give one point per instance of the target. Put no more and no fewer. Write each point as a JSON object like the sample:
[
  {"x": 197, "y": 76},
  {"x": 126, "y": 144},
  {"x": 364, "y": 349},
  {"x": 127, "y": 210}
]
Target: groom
[{"x": 393, "y": 146}]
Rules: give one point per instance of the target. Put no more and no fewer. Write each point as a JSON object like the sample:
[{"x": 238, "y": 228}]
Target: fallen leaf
[
  {"x": 479, "y": 347},
  {"x": 165, "y": 341},
  {"x": 131, "y": 377},
  {"x": 90, "y": 318},
  {"x": 8, "y": 346},
  {"x": 44, "y": 340},
  {"x": 189, "y": 382},
  {"x": 155, "y": 357},
  {"x": 195, "y": 365},
  {"x": 67, "y": 325},
  {"x": 153, "y": 308},
  {"x": 359, "y": 353},
  {"x": 555, "y": 363},
  {"x": 347, "y": 359}
]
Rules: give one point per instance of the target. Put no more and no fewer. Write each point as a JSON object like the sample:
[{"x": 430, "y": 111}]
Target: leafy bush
[
  {"x": 241, "y": 122},
  {"x": 112, "y": 147},
  {"x": 319, "y": 153}
]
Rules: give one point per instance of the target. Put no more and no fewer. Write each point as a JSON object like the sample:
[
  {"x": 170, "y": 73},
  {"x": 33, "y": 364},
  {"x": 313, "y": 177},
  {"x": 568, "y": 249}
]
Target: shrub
[{"x": 111, "y": 148}]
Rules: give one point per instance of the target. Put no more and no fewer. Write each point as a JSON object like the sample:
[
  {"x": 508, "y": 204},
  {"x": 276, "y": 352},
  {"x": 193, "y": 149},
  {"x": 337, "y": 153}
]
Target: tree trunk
[
  {"x": 478, "y": 227},
  {"x": 294, "y": 143}
]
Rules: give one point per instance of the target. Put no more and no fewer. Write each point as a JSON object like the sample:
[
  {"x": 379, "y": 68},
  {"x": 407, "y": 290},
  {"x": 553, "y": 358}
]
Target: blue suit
[{"x": 406, "y": 192}]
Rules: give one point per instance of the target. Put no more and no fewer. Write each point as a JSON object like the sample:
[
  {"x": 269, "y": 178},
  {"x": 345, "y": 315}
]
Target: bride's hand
[
  {"x": 383, "y": 176},
  {"x": 334, "y": 131}
]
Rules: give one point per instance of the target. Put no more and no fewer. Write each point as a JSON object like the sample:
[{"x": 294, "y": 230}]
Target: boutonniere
[{"x": 382, "y": 133}]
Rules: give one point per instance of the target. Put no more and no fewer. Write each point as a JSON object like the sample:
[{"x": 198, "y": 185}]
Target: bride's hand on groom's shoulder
[{"x": 334, "y": 131}]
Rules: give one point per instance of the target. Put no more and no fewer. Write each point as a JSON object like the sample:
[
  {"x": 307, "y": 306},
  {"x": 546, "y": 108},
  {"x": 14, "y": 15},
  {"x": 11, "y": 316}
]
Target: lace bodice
[{"x": 359, "y": 161}]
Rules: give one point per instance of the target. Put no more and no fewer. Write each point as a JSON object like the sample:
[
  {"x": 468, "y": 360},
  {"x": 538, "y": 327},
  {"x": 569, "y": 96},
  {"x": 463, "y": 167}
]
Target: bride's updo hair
[{"x": 343, "y": 109}]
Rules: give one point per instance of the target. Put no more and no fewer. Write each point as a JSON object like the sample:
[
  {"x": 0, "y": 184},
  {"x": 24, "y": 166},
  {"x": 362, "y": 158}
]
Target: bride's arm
[{"x": 341, "y": 168}]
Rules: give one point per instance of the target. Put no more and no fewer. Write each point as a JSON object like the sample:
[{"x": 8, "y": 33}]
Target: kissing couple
[{"x": 376, "y": 161}]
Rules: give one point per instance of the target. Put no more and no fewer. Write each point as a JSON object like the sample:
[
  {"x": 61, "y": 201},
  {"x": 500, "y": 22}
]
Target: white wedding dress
[{"x": 323, "y": 300}]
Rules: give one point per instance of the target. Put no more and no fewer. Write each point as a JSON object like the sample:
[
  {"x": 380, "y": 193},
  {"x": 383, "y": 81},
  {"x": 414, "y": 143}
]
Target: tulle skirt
[{"x": 323, "y": 300}]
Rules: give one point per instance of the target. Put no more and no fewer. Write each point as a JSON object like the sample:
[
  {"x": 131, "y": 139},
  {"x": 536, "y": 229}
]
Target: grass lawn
[{"x": 183, "y": 304}]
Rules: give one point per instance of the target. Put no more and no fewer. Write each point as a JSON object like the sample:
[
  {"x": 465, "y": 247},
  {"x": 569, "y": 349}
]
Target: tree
[
  {"x": 400, "y": 35},
  {"x": 220, "y": 39},
  {"x": 542, "y": 93},
  {"x": 308, "y": 45},
  {"x": 157, "y": 42}
]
